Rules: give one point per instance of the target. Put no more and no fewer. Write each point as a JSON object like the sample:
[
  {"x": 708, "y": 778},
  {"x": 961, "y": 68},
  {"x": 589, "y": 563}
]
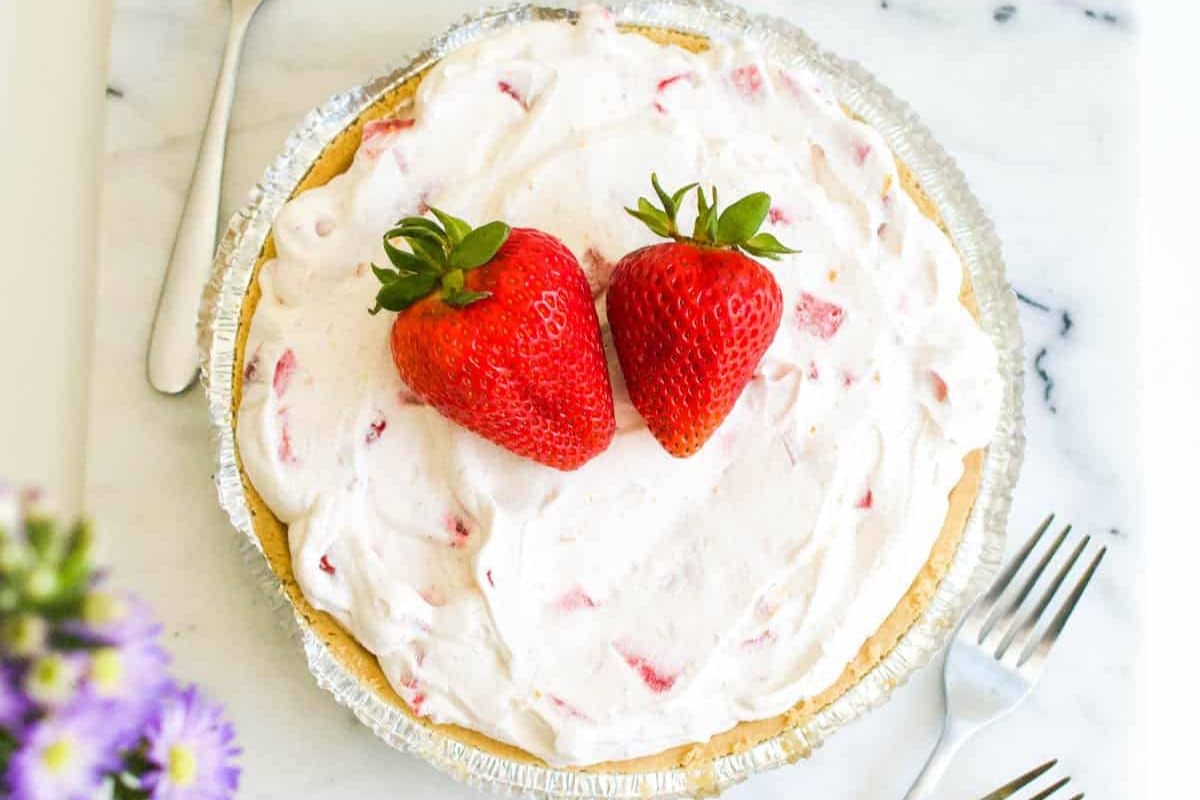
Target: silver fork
[
  {"x": 995, "y": 658},
  {"x": 1017, "y": 784}
]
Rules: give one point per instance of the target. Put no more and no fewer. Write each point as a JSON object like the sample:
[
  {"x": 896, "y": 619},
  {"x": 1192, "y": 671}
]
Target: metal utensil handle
[
  {"x": 174, "y": 352},
  {"x": 952, "y": 738}
]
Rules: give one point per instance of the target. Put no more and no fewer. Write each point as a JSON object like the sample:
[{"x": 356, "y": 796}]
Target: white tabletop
[{"x": 1036, "y": 109}]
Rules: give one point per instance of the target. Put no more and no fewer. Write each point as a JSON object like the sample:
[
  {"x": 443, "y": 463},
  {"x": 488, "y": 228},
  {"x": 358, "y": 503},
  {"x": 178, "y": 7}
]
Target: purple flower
[
  {"x": 53, "y": 680},
  {"x": 128, "y": 681},
  {"x": 65, "y": 756},
  {"x": 114, "y": 618},
  {"x": 192, "y": 748},
  {"x": 14, "y": 705}
]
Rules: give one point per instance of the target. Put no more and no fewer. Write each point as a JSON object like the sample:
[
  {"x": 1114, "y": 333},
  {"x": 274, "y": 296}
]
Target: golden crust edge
[{"x": 272, "y": 534}]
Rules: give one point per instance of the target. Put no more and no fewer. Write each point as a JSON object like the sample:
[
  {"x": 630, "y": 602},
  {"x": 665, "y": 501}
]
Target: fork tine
[
  {"x": 1002, "y": 619},
  {"x": 987, "y": 602},
  {"x": 1031, "y": 619},
  {"x": 1050, "y": 636},
  {"x": 1007, "y": 789},
  {"x": 1051, "y": 789}
]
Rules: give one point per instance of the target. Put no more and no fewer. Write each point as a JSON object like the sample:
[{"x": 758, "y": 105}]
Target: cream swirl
[{"x": 640, "y": 602}]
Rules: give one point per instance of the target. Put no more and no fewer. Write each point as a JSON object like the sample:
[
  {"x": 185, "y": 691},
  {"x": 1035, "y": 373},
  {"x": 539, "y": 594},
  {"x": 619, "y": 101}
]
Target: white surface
[
  {"x": 1169, "y": 431},
  {"x": 1035, "y": 109}
]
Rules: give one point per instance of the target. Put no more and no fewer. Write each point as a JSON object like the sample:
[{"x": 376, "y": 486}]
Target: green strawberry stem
[
  {"x": 442, "y": 252},
  {"x": 734, "y": 228}
]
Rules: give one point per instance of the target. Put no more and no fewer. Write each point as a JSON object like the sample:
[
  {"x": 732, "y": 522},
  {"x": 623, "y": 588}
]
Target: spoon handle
[{"x": 174, "y": 353}]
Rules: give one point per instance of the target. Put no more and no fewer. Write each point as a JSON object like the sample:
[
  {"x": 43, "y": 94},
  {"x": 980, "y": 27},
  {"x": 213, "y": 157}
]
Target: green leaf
[
  {"x": 461, "y": 298},
  {"x": 677, "y": 198},
  {"x": 400, "y": 294},
  {"x": 706, "y": 218},
  {"x": 766, "y": 246},
  {"x": 406, "y": 262},
  {"x": 430, "y": 252},
  {"x": 741, "y": 220},
  {"x": 479, "y": 246},
  {"x": 654, "y": 223},
  {"x": 385, "y": 275},
  {"x": 668, "y": 203},
  {"x": 456, "y": 229},
  {"x": 422, "y": 223}
]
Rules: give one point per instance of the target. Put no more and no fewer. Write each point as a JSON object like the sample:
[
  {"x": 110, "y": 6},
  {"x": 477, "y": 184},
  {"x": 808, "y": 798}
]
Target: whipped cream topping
[{"x": 640, "y": 602}]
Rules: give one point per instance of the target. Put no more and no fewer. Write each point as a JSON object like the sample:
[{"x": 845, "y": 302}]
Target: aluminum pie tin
[{"x": 982, "y": 543}]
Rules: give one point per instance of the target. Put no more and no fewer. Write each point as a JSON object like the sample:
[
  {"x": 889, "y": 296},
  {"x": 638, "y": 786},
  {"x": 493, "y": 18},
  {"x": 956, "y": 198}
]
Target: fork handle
[{"x": 952, "y": 738}]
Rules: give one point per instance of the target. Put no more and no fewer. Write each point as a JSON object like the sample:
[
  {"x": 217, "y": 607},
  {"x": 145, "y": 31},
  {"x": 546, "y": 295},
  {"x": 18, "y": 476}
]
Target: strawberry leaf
[
  {"x": 411, "y": 224},
  {"x": 405, "y": 261},
  {"x": 655, "y": 223},
  {"x": 399, "y": 294},
  {"x": 385, "y": 275},
  {"x": 461, "y": 298},
  {"x": 766, "y": 246},
  {"x": 741, "y": 220},
  {"x": 479, "y": 246},
  {"x": 668, "y": 203},
  {"x": 736, "y": 227},
  {"x": 456, "y": 229},
  {"x": 428, "y": 250}
]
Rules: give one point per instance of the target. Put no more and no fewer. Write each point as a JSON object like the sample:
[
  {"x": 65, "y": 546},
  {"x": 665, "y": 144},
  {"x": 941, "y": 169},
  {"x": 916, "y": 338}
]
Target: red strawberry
[
  {"x": 691, "y": 318},
  {"x": 496, "y": 330}
]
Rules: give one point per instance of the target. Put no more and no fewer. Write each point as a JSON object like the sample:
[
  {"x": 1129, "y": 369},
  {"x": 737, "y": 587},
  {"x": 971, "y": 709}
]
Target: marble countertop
[{"x": 1033, "y": 99}]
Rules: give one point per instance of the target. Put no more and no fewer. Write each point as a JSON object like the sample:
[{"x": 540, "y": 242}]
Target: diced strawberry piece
[
  {"x": 378, "y": 426},
  {"x": 567, "y": 708},
  {"x": 250, "y": 371},
  {"x": 849, "y": 379},
  {"x": 381, "y": 127},
  {"x": 286, "y": 454},
  {"x": 285, "y": 367},
  {"x": 413, "y": 695},
  {"x": 326, "y": 566},
  {"x": 377, "y": 129},
  {"x": 665, "y": 82},
  {"x": 940, "y": 391},
  {"x": 866, "y": 501},
  {"x": 861, "y": 151},
  {"x": 764, "y": 638},
  {"x": 575, "y": 600},
  {"x": 599, "y": 269},
  {"x": 459, "y": 532},
  {"x": 777, "y": 216},
  {"x": 819, "y": 317},
  {"x": 748, "y": 80},
  {"x": 508, "y": 89},
  {"x": 657, "y": 680}
]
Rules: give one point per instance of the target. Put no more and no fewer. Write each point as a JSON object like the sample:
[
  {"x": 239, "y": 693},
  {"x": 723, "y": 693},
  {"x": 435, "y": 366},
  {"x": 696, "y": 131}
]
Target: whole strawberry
[
  {"x": 496, "y": 330},
  {"x": 691, "y": 318}
]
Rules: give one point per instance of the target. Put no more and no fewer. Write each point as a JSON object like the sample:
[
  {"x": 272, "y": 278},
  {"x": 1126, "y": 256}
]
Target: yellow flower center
[
  {"x": 181, "y": 765},
  {"x": 99, "y": 608},
  {"x": 57, "y": 755},
  {"x": 107, "y": 669},
  {"x": 50, "y": 679}
]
